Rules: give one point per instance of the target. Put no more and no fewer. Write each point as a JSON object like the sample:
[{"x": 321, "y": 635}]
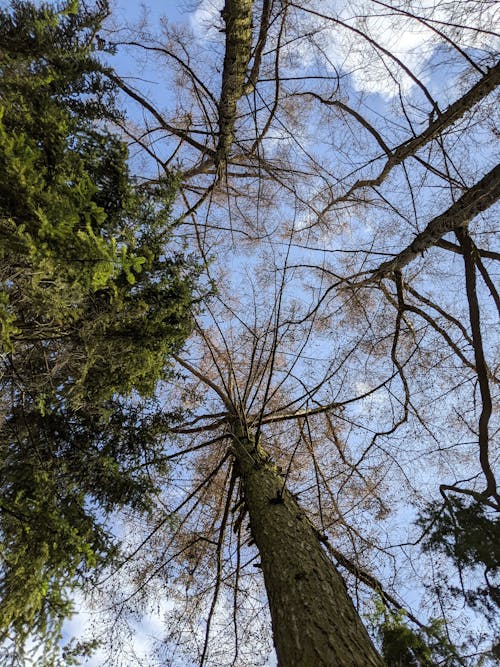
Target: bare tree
[{"x": 344, "y": 373}]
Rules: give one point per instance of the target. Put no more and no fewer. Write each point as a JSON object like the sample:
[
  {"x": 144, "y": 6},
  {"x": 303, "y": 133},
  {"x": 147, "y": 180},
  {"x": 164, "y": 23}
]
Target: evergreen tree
[
  {"x": 466, "y": 529},
  {"x": 92, "y": 304}
]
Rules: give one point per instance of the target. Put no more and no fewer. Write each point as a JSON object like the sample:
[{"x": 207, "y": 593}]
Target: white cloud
[
  {"x": 405, "y": 38},
  {"x": 407, "y": 41},
  {"x": 206, "y": 20}
]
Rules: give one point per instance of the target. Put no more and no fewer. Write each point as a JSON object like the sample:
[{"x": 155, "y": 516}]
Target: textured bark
[
  {"x": 314, "y": 620},
  {"x": 469, "y": 254},
  {"x": 237, "y": 15},
  {"x": 265, "y": 18},
  {"x": 486, "y": 84},
  {"x": 478, "y": 198}
]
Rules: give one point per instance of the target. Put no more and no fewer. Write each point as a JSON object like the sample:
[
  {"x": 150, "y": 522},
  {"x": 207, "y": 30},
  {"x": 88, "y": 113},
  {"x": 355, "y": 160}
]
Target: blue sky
[{"x": 379, "y": 97}]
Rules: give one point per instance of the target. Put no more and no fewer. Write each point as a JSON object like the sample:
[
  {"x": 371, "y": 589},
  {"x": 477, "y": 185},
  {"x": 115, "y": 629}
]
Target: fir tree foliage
[
  {"x": 92, "y": 303},
  {"x": 467, "y": 530},
  {"x": 406, "y": 646}
]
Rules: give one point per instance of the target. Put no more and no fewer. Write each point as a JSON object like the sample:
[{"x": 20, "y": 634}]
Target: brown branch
[
  {"x": 376, "y": 46},
  {"x": 489, "y": 283},
  {"x": 161, "y": 49},
  {"x": 200, "y": 429},
  {"x": 195, "y": 448},
  {"x": 276, "y": 416},
  {"x": 352, "y": 112},
  {"x": 427, "y": 24},
  {"x": 218, "y": 558},
  {"x": 479, "y": 253},
  {"x": 442, "y": 332},
  {"x": 205, "y": 481},
  {"x": 411, "y": 290},
  {"x": 277, "y": 87},
  {"x": 481, "y": 367},
  {"x": 155, "y": 113},
  {"x": 451, "y": 115},
  {"x": 478, "y": 198},
  {"x": 259, "y": 47},
  {"x": 478, "y": 497},
  {"x": 489, "y": 254},
  {"x": 369, "y": 580},
  {"x": 206, "y": 380}
]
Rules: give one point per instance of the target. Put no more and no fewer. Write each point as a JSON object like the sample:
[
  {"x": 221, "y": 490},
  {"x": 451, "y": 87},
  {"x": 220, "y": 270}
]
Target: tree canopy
[
  {"x": 93, "y": 304},
  {"x": 319, "y": 461}
]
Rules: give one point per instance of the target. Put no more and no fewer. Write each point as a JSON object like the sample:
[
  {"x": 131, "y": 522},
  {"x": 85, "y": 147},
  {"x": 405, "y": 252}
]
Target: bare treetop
[{"x": 338, "y": 173}]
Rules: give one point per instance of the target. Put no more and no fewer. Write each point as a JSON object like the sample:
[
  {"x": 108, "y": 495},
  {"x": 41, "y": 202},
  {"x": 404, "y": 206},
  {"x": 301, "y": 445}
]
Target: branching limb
[
  {"x": 465, "y": 241},
  {"x": 478, "y": 198},
  {"x": 259, "y": 47},
  {"x": 443, "y": 121},
  {"x": 182, "y": 134},
  {"x": 370, "y": 581}
]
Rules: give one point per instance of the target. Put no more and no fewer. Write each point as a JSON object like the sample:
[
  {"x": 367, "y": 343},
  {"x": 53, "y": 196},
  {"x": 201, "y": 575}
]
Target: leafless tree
[{"x": 338, "y": 173}]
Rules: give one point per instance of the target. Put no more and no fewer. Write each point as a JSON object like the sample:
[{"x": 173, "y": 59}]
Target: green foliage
[
  {"x": 63, "y": 471},
  {"x": 404, "y": 646},
  {"x": 92, "y": 304},
  {"x": 467, "y": 530}
]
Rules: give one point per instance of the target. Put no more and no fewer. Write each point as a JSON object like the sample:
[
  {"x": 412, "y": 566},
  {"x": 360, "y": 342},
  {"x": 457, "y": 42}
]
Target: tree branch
[
  {"x": 451, "y": 115},
  {"x": 477, "y": 198},
  {"x": 481, "y": 366}
]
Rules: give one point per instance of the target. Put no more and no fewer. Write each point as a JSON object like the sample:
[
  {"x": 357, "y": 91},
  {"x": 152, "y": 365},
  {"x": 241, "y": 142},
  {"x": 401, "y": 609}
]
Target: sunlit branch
[
  {"x": 436, "y": 126},
  {"x": 206, "y": 380},
  {"x": 476, "y": 199}
]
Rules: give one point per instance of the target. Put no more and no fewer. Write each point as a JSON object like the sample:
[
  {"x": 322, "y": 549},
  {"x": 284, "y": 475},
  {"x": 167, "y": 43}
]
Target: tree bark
[
  {"x": 237, "y": 15},
  {"x": 476, "y": 199},
  {"x": 314, "y": 621}
]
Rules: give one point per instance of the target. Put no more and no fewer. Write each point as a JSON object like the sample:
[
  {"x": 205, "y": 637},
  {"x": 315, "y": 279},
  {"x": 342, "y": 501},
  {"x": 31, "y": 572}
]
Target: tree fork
[
  {"x": 476, "y": 199},
  {"x": 314, "y": 620}
]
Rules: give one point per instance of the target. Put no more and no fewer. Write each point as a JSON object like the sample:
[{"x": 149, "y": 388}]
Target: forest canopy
[
  {"x": 297, "y": 463},
  {"x": 92, "y": 306}
]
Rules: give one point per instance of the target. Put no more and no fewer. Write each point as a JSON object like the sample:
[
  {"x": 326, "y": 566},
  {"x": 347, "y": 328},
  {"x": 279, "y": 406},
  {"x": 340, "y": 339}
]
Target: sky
[{"x": 411, "y": 45}]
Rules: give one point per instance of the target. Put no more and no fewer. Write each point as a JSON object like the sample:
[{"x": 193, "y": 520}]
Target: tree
[
  {"x": 283, "y": 168},
  {"x": 92, "y": 305},
  {"x": 346, "y": 353}
]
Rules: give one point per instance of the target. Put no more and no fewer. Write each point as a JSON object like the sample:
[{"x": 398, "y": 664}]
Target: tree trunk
[
  {"x": 237, "y": 15},
  {"x": 314, "y": 620}
]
